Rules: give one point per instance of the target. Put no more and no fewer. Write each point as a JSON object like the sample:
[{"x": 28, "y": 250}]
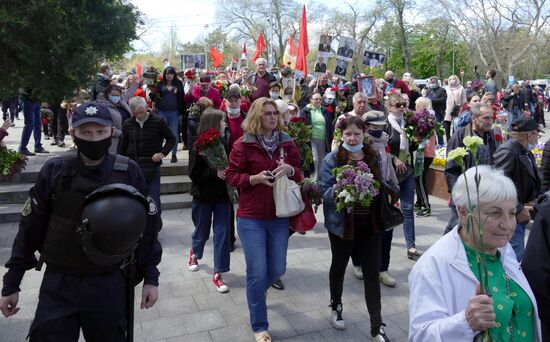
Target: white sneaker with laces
[
  {"x": 386, "y": 279},
  {"x": 336, "y": 318},
  {"x": 381, "y": 336}
]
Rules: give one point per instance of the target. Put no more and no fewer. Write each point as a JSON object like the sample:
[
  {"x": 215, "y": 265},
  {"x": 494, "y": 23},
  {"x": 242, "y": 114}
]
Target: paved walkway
[{"x": 190, "y": 309}]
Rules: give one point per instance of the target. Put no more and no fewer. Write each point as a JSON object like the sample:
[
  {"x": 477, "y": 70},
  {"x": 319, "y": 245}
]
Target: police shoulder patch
[
  {"x": 152, "y": 206},
  {"x": 27, "y": 209}
]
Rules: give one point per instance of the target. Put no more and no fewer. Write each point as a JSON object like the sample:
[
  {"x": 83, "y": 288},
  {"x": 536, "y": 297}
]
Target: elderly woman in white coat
[
  {"x": 445, "y": 301},
  {"x": 456, "y": 97}
]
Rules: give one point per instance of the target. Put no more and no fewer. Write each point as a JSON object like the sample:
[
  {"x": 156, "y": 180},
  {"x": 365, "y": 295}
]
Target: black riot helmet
[{"x": 113, "y": 220}]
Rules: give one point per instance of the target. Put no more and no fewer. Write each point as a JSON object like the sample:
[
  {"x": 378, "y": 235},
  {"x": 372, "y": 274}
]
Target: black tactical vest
[{"x": 62, "y": 248}]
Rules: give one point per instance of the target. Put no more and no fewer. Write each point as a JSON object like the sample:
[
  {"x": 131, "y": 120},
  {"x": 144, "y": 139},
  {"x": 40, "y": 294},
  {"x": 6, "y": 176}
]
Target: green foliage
[{"x": 55, "y": 47}]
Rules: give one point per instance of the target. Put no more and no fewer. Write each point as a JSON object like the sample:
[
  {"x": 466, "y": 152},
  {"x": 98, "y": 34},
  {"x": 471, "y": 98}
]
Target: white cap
[{"x": 282, "y": 106}]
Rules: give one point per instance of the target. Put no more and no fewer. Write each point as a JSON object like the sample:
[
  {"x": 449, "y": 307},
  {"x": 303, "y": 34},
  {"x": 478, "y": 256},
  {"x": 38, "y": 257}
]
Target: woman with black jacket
[
  {"x": 210, "y": 199},
  {"x": 168, "y": 100},
  {"x": 401, "y": 150},
  {"x": 142, "y": 140}
]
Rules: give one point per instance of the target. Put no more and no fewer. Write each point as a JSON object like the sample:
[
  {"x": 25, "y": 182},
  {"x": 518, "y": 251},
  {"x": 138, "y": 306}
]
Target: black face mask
[
  {"x": 377, "y": 133},
  {"x": 94, "y": 150},
  {"x": 390, "y": 80}
]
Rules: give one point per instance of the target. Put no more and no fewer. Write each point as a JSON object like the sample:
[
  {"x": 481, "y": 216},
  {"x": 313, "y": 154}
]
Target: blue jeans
[
  {"x": 264, "y": 244},
  {"x": 406, "y": 195},
  {"x": 154, "y": 188},
  {"x": 201, "y": 214},
  {"x": 173, "y": 121},
  {"x": 33, "y": 125},
  {"x": 518, "y": 241}
]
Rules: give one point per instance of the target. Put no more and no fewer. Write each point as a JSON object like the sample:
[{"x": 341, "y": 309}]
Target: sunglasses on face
[{"x": 400, "y": 105}]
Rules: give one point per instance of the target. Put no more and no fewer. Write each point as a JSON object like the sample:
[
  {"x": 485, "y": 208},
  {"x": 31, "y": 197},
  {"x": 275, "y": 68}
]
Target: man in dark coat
[
  {"x": 481, "y": 126},
  {"x": 438, "y": 95},
  {"x": 537, "y": 272},
  {"x": 514, "y": 157}
]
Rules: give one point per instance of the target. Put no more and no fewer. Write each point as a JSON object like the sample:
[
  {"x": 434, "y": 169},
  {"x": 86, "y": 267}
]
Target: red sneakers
[
  {"x": 193, "y": 263},
  {"x": 220, "y": 285}
]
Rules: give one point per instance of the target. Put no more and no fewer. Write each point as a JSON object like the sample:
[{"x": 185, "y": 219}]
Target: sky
[{"x": 188, "y": 16}]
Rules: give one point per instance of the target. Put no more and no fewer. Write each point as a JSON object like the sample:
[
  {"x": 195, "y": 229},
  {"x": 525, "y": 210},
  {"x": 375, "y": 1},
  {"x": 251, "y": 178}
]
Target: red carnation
[
  {"x": 297, "y": 119},
  {"x": 498, "y": 137}
]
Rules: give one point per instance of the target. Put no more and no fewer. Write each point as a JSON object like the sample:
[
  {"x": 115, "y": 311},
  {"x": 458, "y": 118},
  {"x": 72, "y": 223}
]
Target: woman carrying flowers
[
  {"x": 210, "y": 196},
  {"x": 401, "y": 149},
  {"x": 349, "y": 181},
  {"x": 261, "y": 156}
]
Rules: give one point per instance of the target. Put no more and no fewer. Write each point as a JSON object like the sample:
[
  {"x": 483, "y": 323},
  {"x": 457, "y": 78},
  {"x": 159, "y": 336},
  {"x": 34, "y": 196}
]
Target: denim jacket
[{"x": 334, "y": 221}]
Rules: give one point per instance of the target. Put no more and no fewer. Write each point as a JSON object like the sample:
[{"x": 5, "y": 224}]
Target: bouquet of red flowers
[
  {"x": 419, "y": 127},
  {"x": 301, "y": 133},
  {"x": 222, "y": 86},
  {"x": 209, "y": 145}
]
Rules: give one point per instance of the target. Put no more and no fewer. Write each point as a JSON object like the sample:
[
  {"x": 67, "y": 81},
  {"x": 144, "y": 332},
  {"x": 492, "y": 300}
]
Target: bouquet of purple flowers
[
  {"x": 355, "y": 185},
  {"x": 419, "y": 127}
]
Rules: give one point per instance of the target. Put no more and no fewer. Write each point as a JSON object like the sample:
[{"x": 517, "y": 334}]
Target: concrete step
[
  {"x": 14, "y": 193},
  {"x": 31, "y": 172},
  {"x": 175, "y": 184},
  {"x": 18, "y": 193},
  {"x": 12, "y": 212}
]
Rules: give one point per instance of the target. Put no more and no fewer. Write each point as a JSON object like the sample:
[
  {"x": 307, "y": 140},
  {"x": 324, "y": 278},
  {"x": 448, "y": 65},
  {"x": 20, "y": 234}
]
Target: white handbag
[{"x": 288, "y": 198}]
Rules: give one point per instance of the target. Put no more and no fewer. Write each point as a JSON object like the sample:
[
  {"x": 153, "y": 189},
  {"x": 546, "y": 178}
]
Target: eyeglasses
[
  {"x": 275, "y": 113},
  {"x": 400, "y": 105}
]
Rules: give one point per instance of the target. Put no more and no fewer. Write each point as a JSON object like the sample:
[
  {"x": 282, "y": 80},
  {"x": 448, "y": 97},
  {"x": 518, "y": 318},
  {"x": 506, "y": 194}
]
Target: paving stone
[
  {"x": 200, "y": 337},
  {"x": 309, "y": 321},
  {"x": 163, "y": 328},
  {"x": 236, "y": 333},
  {"x": 202, "y": 321}
]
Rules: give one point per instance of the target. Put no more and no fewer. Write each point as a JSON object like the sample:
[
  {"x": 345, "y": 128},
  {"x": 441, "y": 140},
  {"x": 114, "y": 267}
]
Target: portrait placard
[
  {"x": 367, "y": 86},
  {"x": 346, "y": 47},
  {"x": 341, "y": 68}
]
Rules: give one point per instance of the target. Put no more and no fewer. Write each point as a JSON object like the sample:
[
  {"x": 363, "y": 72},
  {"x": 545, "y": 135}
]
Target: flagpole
[{"x": 206, "y": 47}]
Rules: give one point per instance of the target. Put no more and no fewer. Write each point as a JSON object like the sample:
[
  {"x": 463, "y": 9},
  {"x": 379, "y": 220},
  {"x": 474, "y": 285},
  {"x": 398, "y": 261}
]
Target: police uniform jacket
[{"x": 38, "y": 210}]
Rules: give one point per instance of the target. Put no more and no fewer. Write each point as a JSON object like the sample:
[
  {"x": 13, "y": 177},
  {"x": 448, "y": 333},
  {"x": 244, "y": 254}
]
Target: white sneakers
[
  {"x": 386, "y": 279},
  {"x": 336, "y": 318}
]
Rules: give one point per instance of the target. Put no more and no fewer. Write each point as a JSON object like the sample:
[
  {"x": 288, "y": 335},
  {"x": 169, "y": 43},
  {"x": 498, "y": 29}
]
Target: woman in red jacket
[{"x": 263, "y": 154}]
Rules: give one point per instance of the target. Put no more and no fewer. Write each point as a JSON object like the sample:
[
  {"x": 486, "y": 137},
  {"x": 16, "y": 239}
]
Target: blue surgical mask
[
  {"x": 114, "y": 99},
  {"x": 376, "y": 133},
  {"x": 274, "y": 95},
  {"x": 329, "y": 100},
  {"x": 353, "y": 149}
]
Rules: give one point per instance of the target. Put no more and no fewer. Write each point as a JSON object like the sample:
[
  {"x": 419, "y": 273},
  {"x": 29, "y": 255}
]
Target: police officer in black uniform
[{"x": 78, "y": 292}]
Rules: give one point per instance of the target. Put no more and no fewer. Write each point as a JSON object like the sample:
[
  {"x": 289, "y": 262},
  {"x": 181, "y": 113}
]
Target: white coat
[{"x": 441, "y": 284}]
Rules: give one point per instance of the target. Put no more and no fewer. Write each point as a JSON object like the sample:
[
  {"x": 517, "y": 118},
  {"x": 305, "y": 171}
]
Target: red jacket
[
  {"x": 213, "y": 94},
  {"x": 248, "y": 158}
]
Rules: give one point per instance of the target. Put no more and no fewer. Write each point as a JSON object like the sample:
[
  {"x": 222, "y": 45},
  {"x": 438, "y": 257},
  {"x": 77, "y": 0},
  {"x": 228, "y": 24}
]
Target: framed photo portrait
[
  {"x": 367, "y": 86},
  {"x": 289, "y": 86},
  {"x": 341, "y": 68},
  {"x": 346, "y": 48},
  {"x": 320, "y": 65},
  {"x": 324, "y": 44}
]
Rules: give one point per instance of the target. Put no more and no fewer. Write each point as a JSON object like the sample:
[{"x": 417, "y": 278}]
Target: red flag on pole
[
  {"x": 301, "y": 62},
  {"x": 217, "y": 57},
  {"x": 293, "y": 51},
  {"x": 138, "y": 69},
  {"x": 244, "y": 56},
  {"x": 260, "y": 47}
]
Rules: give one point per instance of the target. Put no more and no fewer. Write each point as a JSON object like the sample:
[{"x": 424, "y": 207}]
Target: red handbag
[{"x": 305, "y": 220}]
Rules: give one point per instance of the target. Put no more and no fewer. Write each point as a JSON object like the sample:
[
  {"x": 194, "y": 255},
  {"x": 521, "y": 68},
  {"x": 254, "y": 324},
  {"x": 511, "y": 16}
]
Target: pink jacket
[{"x": 195, "y": 94}]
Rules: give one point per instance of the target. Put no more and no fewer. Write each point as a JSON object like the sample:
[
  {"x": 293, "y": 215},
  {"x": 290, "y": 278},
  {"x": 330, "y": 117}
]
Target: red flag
[
  {"x": 260, "y": 47},
  {"x": 217, "y": 57},
  {"x": 301, "y": 62},
  {"x": 244, "y": 56},
  {"x": 138, "y": 69},
  {"x": 293, "y": 50}
]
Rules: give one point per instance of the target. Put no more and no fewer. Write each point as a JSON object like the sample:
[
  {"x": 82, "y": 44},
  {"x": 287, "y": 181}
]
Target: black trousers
[
  {"x": 97, "y": 304},
  {"x": 422, "y": 197},
  {"x": 369, "y": 255}
]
